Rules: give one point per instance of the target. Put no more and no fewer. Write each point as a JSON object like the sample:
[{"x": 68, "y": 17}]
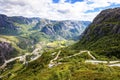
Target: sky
[{"x": 85, "y": 10}]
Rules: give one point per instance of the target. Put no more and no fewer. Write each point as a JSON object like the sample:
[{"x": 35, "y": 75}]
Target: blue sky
[
  {"x": 69, "y": 1},
  {"x": 57, "y": 9}
]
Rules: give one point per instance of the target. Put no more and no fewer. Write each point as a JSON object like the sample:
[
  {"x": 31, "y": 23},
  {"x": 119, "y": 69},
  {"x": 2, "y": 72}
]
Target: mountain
[
  {"x": 62, "y": 29},
  {"x": 6, "y": 51},
  {"x": 18, "y": 25},
  {"x": 6, "y": 26},
  {"x": 22, "y": 34},
  {"x": 103, "y": 34},
  {"x": 100, "y": 41},
  {"x": 23, "y": 20}
]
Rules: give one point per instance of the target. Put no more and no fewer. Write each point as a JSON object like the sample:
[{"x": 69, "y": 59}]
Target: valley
[
  {"x": 42, "y": 49},
  {"x": 24, "y": 34}
]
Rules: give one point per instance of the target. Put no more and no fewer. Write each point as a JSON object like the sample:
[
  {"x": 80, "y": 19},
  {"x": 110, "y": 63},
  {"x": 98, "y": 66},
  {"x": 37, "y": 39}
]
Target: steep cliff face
[
  {"x": 65, "y": 29},
  {"x": 106, "y": 23},
  {"x": 18, "y": 25},
  {"x": 6, "y": 26},
  {"x": 109, "y": 15},
  {"x": 6, "y": 51},
  {"x": 24, "y": 33},
  {"x": 103, "y": 34}
]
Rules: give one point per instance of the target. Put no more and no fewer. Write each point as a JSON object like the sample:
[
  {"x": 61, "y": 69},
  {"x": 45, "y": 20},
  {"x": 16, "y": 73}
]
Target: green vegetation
[
  {"x": 107, "y": 46},
  {"x": 103, "y": 39},
  {"x": 13, "y": 40},
  {"x": 73, "y": 69}
]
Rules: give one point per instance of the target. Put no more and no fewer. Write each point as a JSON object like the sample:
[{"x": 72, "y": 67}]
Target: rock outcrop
[
  {"x": 6, "y": 26},
  {"x": 65, "y": 29},
  {"x": 55, "y": 29},
  {"x": 103, "y": 34},
  {"x": 106, "y": 23},
  {"x": 5, "y": 51}
]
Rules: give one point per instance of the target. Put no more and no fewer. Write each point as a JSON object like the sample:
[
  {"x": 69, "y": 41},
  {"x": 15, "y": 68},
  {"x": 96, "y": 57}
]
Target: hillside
[
  {"x": 20, "y": 35},
  {"x": 89, "y": 59},
  {"x": 103, "y": 34},
  {"x": 22, "y": 26},
  {"x": 62, "y": 29}
]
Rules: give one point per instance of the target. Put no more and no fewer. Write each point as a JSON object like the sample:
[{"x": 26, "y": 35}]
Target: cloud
[
  {"x": 57, "y": 9},
  {"x": 12, "y": 2}
]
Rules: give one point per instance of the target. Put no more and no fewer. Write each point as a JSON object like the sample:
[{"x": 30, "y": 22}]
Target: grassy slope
[
  {"x": 104, "y": 44},
  {"x": 73, "y": 69},
  {"x": 13, "y": 40}
]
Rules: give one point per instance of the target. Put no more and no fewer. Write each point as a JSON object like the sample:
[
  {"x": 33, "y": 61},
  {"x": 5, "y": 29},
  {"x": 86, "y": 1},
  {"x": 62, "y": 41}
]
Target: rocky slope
[
  {"x": 6, "y": 26},
  {"x": 6, "y": 51},
  {"x": 23, "y": 20},
  {"x": 107, "y": 22},
  {"x": 103, "y": 34},
  {"x": 64, "y": 29},
  {"x": 70, "y": 63},
  {"x": 24, "y": 33}
]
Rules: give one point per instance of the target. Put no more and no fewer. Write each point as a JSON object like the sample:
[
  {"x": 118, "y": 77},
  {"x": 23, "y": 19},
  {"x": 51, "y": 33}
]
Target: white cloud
[{"x": 55, "y": 11}]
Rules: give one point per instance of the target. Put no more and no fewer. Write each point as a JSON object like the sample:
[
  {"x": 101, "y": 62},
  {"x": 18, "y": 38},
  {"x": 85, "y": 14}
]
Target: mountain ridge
[
  {"x": 103, "y": 34},
  {"x": 24, "y": 33},
  {"x": 8, "y": 25},
  {"x": 100, "y": 42}
]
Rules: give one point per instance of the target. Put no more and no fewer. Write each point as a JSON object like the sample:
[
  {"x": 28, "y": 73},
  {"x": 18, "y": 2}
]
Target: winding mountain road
[
  {"x": 81, "y": 52},
  {"x": 118, "y": 65},
  {"x": 94, "y": 61},
  {"x": 36, "y": 53},
  {"x": 21, "y": 58},
  {"x": 104, "y": 62},
  {"x": 52, "y": 62}
]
